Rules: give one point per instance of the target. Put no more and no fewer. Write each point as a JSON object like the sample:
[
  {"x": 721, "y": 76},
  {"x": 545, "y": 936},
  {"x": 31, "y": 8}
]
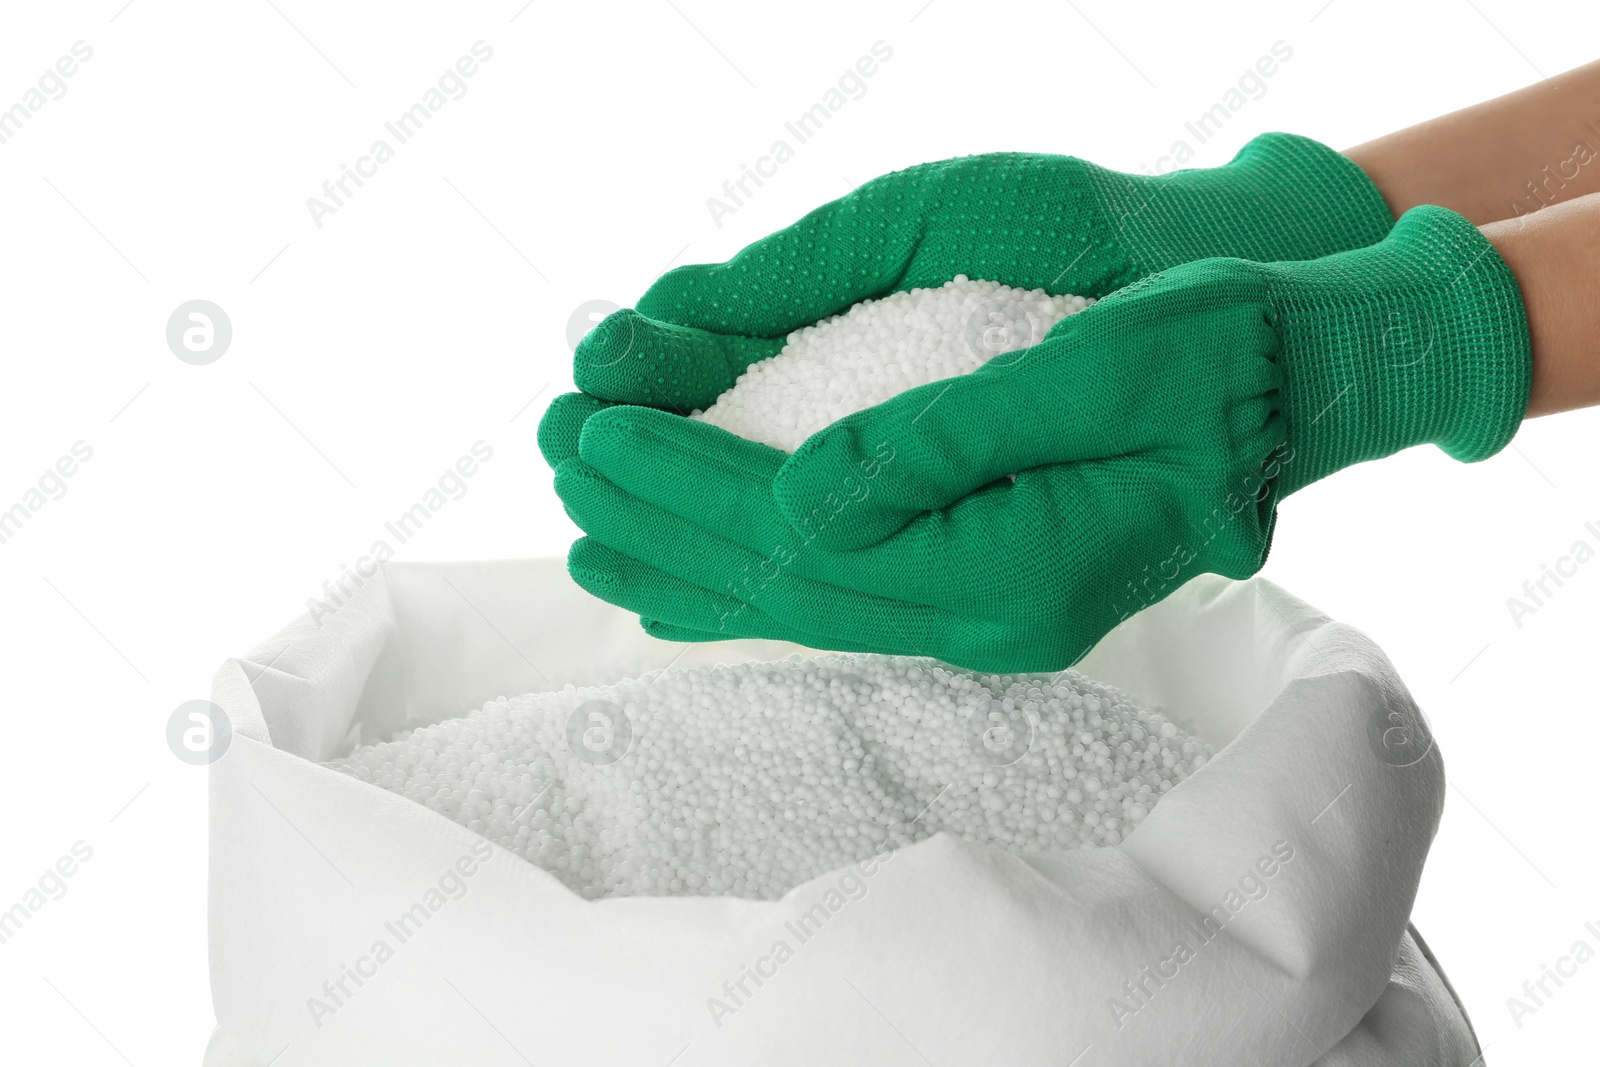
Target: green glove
[
  {"x": 1151, "y": 436},
  {"x": 1030, "y": 221}
]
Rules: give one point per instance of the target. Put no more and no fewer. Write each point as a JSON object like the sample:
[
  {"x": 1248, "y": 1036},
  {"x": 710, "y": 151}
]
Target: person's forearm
[
  {"x": 1500, "y": 159},
  {"x": 1555, "y": 255}
]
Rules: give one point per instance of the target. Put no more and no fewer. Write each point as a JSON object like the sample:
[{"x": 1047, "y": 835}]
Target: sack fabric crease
[{"x": 1260, "y": 914}]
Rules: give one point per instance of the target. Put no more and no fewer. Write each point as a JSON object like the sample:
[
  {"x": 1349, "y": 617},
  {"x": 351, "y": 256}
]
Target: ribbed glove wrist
[
  {"x": 1283, "y": 197},
  {"x": 1420, "y": 339}
]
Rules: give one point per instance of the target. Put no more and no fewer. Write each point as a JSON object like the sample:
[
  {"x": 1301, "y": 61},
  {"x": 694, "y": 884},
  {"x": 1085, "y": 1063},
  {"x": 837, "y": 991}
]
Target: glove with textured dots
[
  {"x": 1150, "y": 438},
  {"x": 1029, "y": 221}
]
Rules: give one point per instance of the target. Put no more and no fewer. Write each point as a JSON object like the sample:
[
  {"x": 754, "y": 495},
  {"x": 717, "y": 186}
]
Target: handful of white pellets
[
  {"x": 750, "y": 780},
  {"x": 878, "y": 349}
]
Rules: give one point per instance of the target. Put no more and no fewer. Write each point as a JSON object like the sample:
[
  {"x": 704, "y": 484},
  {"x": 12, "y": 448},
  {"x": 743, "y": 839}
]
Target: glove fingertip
[
  {"x": 666, "y": 631},
  {"x": 614, "y": 434},
  {"x": 581, "y": 489},
  {"x": 722, "y": 298},
  {"x": 674, "y": 293},
  {"x": 611, "y": 340},
  {"x": 841, "y": 526},
  {"x": 562, "y": 424},
  {"x": 595, "y": 567},
  {"x": 614, "y": 360},
  {"x": 826, "y": 492}
]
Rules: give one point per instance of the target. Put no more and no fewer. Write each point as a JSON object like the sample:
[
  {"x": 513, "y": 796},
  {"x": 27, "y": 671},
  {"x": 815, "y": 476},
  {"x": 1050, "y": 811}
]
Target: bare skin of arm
[
  {"x": 1500, "y": 159},
  {"x": 1555, "y": 255},
  {"x": 1525, "y": 168}
]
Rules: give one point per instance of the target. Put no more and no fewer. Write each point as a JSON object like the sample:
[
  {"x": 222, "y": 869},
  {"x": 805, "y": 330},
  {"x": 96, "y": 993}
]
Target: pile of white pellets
[
  {"x": 750, "y": 780},
  {"x": 880, "y": 348}
]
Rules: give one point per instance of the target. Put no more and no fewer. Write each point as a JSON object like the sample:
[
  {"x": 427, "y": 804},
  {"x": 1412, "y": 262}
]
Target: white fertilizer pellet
[
  {"x": 880, "y": 348},
  {"x": 749, "y": 780}
]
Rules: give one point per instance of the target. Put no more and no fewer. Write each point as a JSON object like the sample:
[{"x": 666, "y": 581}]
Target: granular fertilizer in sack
[
  {"x": 880, "y": 348},
  {"x": 749, "y": 780}
]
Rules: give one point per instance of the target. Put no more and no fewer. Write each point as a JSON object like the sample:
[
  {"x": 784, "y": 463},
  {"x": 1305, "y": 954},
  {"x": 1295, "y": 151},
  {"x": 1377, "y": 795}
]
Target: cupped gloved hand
[
  {"x": 1150, "y": 437},
  {"x": 1029, "y": 221}
]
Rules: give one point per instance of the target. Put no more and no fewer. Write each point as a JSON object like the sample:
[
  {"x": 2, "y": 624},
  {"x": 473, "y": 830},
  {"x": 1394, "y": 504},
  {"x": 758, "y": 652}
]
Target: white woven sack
[{"x": 1258, "y": 915}]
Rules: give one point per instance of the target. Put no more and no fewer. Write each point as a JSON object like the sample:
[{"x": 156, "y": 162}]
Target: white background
[{"x": 429, "y": 311}]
